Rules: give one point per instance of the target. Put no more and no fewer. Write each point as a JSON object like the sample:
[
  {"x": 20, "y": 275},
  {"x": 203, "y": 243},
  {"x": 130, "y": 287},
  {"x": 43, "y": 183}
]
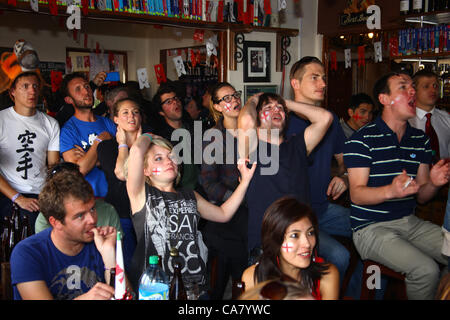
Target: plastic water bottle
[{"x": 153, "y": 284}]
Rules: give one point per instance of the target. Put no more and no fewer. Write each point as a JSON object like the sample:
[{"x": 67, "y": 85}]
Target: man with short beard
[{"x": 83, "y": 132}]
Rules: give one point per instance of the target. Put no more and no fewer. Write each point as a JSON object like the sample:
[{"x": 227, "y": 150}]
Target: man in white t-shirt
[{"x": 29, "y": 141}]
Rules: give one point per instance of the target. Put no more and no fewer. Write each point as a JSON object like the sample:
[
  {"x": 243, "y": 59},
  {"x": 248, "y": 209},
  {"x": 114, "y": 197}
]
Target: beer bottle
[
  {"x": 405, "y": 7},
  {"x": 418, "y": 6},
  {"x": 177, "y": 290},
  {"x": 237, "y": 289},
  {"x": 15, "y": 216},
  {"x": 5, "y": 240},
  {"x": 12, "y": 239},
  {"x": 26, "y": 228},
  {"x": 112, "y": 277}
]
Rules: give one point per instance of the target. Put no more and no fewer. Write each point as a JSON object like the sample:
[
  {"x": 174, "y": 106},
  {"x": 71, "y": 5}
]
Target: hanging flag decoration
[
  {"x": 333, "y": 60},
  {"x": 220, "y": 12},
  {"x": 84, "y": 7},
  {"x": 361, "y": 56},
  {"x": 199, "y": 35},
  {"x": 211, "y": 45},
  {"x": 193, "y": 58},
  {"x": 34, "y": 4},
  {"x": 87, "y": 62},
  {"x": 68, "y": 65},
  {"x": 378, "y": 51},
  {"x": 160, "y": 74},
  {"x": 56, "y": 78},
  {"x": 12, "y": 3},
  {"x": 348, "y": 58},
  {"x": 143, "y": 78},
  {"x": 282, "y": 5},
  {"x": 53, "y": 7},
  {"x": 393, "y": 46},
  {"x": 267, "y": 7},
  {"x": 179, "y": 65}
]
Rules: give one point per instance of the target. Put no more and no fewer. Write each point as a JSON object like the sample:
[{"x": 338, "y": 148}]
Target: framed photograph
[
  {"x": 251, "y": 90},
  {"x": 256, "y": 61}
]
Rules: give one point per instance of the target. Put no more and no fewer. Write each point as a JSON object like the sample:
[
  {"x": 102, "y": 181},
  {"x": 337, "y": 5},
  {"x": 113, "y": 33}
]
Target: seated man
[
  {"x": 72, "y": 259},
  {"x": 360, "y": 113},
  {"x": 388, "y": 165},
  {"x": 82, "y": 133},
  {"x": 106, "y": 214}
]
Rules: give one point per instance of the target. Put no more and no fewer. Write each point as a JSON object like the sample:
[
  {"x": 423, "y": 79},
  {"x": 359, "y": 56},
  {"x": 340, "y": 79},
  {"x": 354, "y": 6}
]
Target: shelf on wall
[
  {"x": 437, "y": 17},
  {"x": 441, "y": 55},
  {"x": 138, "y": 18}
]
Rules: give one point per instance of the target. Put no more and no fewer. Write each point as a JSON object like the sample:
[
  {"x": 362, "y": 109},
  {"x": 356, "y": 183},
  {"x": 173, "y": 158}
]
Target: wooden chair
[
  {"x": 6, "y": 287},
  {"x": 396, "y": 282}
]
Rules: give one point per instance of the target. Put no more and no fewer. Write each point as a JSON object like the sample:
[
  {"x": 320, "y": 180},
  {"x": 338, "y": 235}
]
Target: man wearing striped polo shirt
[{"x": 388, "y": 165}]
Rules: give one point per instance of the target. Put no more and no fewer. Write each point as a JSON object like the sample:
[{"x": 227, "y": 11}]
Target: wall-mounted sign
[{"x": 356, "y": 12}]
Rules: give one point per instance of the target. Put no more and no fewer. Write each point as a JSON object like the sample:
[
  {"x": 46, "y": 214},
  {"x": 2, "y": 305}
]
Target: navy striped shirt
[{"x": 376, "y": 146}]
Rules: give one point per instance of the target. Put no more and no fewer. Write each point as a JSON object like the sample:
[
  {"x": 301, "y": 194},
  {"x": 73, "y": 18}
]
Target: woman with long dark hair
[{"x": 289, "y": 245}]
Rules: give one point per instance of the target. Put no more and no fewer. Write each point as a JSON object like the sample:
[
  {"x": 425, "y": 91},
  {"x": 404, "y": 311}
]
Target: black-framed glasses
[
  {"x": 170, "y": 100},
  {"x": 62, "y": 166},
  {"x": 229, "y": 97}
]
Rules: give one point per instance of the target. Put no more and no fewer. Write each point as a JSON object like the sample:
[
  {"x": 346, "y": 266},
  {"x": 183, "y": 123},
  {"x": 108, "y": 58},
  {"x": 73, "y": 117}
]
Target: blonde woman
[{"x": 166, "y": 219}]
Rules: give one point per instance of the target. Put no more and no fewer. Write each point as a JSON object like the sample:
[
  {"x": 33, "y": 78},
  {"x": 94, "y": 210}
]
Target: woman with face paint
[
  {"x": 227, "y": 242},
  {"x": 289, "y": 245},
  {"x": 166, "y": 219}
]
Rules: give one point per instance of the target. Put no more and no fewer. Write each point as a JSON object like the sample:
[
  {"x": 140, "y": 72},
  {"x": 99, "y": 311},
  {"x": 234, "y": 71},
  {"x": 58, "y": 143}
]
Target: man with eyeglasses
[
  {"x": 83, "y": 132},
  {"x": 168, "y": 105},
  {"x": 29, "y": 141}
]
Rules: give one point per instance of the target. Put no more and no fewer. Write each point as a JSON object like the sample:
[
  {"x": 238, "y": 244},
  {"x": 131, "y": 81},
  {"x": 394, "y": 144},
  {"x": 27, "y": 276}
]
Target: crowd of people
[{"x": 254, "y": 201}]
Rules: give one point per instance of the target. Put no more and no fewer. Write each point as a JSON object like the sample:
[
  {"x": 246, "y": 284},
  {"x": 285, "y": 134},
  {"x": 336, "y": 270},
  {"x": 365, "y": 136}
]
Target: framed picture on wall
[
  {"x": 256, "y": 61},
  {"x": 251, "y": 90}
]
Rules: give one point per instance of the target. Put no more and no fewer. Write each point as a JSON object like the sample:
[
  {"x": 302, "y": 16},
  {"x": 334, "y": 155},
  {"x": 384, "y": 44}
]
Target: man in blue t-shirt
[
  {"x": 281, "y": 163},
  {"x": 83, "y": 132},
  {"x": 308, "y": 83},
  {"x": 388, "y": 165},
  {"x": 72, "y": 259}
]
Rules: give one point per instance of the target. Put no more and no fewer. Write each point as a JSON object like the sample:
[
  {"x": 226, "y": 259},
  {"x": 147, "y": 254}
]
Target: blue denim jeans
[
  {"x": 335, "y": 221},
  {"x": 446, "y": 224}
]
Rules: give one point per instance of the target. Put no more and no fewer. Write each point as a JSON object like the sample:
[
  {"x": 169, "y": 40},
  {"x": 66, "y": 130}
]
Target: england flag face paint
[
  {"x": 265, "y": 116},
  {"x": 299, "y": 243},
  {"x": 228, "y": 107},
  {"x": 287, "y": 247},
  {"x": 156, "y": 171}
]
